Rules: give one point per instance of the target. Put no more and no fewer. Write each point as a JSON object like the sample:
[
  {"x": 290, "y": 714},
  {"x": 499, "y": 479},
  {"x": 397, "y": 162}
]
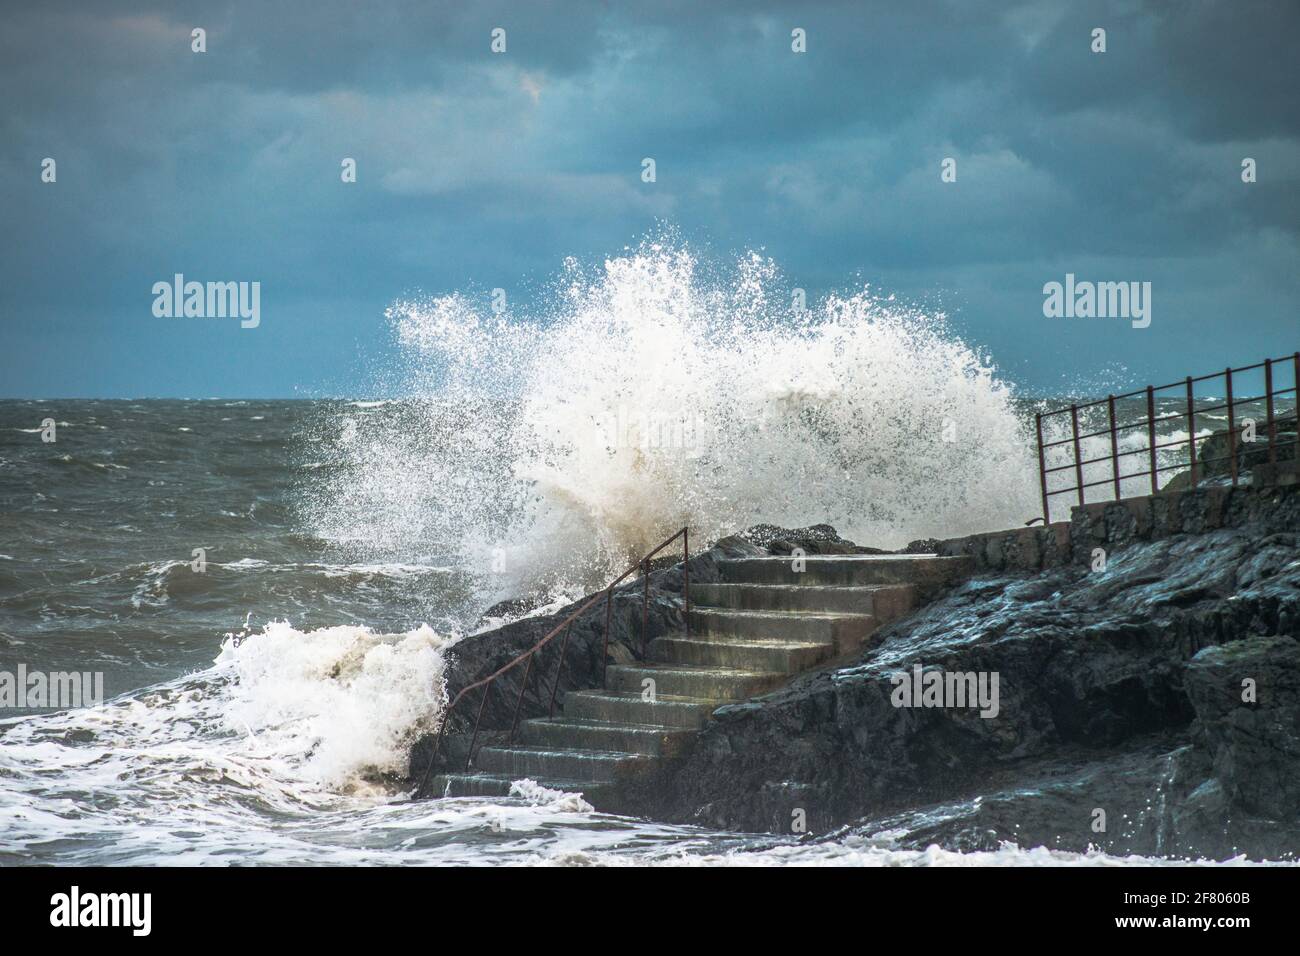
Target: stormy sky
[{"x": 479, "y": 170}]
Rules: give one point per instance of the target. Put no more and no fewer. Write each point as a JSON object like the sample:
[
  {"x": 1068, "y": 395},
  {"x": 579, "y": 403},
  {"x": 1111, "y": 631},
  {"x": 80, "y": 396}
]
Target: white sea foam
[
  {"x": 351, "y": 700},
  {"x": 535, "y": 794},
  {"x": 552, "y": 446},
  {"x": 284, "y": 722},
  {"x": 269, "y": 757}
]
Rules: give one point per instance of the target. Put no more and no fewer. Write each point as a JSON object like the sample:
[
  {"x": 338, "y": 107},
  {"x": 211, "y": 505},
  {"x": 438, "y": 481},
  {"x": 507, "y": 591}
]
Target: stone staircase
[{"x": 749, "y": 634}]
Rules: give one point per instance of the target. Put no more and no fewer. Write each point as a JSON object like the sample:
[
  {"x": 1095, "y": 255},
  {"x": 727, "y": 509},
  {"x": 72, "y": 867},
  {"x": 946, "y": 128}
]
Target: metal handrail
[
  {"x": 643, "y": 564},
  {"x": 1266, "y": 364},
  {"x": 1150, "y": 421}
]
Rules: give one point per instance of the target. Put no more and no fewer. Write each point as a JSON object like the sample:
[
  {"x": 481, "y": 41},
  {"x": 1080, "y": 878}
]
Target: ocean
[
  {"x": 269, "y": 589},
  {"x": 254, "y": 706}
]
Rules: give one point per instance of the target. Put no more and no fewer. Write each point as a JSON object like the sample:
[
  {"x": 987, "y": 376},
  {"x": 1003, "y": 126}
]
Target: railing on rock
[
  {"x": 1230, "y": 403},
  {"x": 526, "y": 658}
]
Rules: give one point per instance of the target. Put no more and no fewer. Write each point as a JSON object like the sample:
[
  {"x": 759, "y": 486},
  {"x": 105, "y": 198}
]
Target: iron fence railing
[{"x": 1230, "y": 404}]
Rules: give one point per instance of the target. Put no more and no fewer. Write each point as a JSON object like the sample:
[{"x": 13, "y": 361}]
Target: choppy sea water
[
  {"x": 255, "y": 706},
  {"x": 270, "y": 588}
]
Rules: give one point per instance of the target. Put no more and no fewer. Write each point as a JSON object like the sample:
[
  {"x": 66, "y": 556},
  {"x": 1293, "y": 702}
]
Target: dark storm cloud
[{"x": 488, "y": 170}]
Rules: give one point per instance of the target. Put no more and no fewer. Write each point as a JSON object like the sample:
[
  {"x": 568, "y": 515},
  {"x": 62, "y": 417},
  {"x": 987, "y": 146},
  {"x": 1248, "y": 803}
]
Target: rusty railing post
[
  {"x": 686, "y": 577},
  {"x": 469, "y": 757},
  {"x": 604, "y": 651},
  {"x": 519, "y": 703},
  {"x": 1042, "y": 470},
  {"x": 1272, "y": 429},
  {"x": 1151, "y": 437},
  {"x": 1114, "y": 443},
  {"x": 1232, "y": 426},
  {"x": 559, "y": 669},
  {"x": 1078, "y": 451},
  {"x": 645, "y": 600},
  {"x": 1191, "y": 429},
  {"x": 1295, "y": 371},
  {"x": 433, "y": 754}
]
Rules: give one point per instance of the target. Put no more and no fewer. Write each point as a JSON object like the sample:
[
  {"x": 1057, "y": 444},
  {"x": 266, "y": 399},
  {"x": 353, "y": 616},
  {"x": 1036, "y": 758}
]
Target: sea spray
[
  {"x": 543, "y": 450},
  {"x": 186, "y": 762},
  {"x": 336, "y": 704}
]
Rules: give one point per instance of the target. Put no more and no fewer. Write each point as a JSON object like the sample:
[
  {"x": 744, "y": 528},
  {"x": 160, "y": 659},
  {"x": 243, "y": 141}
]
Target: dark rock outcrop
[
  {"x": 1214, "y": 454},
  {"x": 1120, "y": 692},
  {"x": 1125, "y": 718},
  {"x": 817, "y": 539},
  {"x": 1247, "y": 699}
]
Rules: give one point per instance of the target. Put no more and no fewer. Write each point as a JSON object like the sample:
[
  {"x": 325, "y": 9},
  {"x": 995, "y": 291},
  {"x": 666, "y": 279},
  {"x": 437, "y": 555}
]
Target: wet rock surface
[
  {"x": 1120, "y": 691},
  {"x": 1120, "y": 722},
  {"x": 1214, "y": 454},
  {"x": 817, "y": 539}
]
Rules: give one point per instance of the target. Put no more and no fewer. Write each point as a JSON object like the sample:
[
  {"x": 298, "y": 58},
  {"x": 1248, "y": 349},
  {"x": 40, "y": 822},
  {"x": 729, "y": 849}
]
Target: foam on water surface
[
  {"x": 535, "y": 451},
  {"x": 277, "y": 755}
]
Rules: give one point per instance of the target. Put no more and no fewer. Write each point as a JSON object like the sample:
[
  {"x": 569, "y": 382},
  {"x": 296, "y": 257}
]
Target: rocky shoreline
[{"x": 1151, "y": 706}]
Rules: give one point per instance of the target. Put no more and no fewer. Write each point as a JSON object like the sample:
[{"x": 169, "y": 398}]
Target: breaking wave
[
  {"x": 543, "y": 448},
  {"x": 308, "y": 712}
]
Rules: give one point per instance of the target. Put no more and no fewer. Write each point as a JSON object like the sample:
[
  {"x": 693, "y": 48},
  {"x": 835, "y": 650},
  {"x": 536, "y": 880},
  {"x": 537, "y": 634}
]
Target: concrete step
[
  {"x": 469, "y": 785},
  {"x": 845, "y": 631},
  {"x": 566, "y": 733},
  {"x": 785, "y": 657},
  {"x": 678, "y": 680},
  {"x": 594, "y": 766},
  {"x": 748, "y": 634},
  {"x": 885, "y": 602},
  {"x": 628, "y": 708},
  {"x": 498, "y": 785},
  {"x": 925, "y": 570}
]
